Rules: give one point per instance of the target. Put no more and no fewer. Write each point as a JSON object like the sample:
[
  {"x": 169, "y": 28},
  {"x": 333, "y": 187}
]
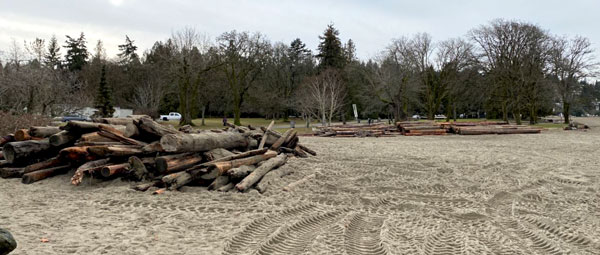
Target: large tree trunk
[
  {"x": 154, "y": 129},
  {"x": 166, "y": 165},
  {"x": 26, "y": 151},
  {"x": 260, "y": 171},
  {"x": 566, "y": 112},
  {"x": 203, "y": 142}
]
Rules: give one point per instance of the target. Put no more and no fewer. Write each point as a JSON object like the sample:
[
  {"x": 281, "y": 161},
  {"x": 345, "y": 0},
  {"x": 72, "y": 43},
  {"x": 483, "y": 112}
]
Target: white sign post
[{"x": 355, "y": 112}]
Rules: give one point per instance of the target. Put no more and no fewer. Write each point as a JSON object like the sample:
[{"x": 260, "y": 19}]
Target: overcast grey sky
[{"x": 371, "y": 24}]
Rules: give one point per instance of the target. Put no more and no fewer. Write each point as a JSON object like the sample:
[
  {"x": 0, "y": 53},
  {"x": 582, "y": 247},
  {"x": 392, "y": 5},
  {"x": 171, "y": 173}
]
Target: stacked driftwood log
[
  {"x": 140, "y": 149},
  {"x": 419, "y": 128},
  {"x": 491, "y": 128},
  {"x": 357, "y": 130}
]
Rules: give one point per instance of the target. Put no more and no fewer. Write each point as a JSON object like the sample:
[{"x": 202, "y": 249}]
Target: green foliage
[
  {"x": 103, "y": 100},
  {"x": 127, "y": 52},
  {"x": 77, "y": 53},
  {"x": 331, "y": 54}
]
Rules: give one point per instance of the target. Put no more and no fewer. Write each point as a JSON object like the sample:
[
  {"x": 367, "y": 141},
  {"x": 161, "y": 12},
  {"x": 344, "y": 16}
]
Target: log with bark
[
  {"x": 26, "y": 151},
  {"x": 241, "y": 171},
  {"x": 63, "y": 138},
  {"x": 154, "y": 129},
  {"x": 224, "y": 166},
  {"x": 260, "y": 171},
  {"x": 23, "y": 135},
  {"x": 43, "y": 132},
  {"x": 174, "y": 163},
  {"x": 44, "y": 173},
  {"x": 114, "y": 170},
  {"x": 203, "y": 142},
  {"x": 115, "y": 151},
  {"x": 83, "y": 127},
  {"x": 87, "y": 168}
]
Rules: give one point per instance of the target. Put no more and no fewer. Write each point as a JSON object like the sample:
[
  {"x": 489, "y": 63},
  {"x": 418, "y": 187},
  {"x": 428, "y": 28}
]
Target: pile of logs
[
  {"x": 577, "y": 126},
  {"x": 419, "y": 128},
  {"x": 491, "y": 129},
  {"x": 140, "y": 149},
  {"x": 357, "y": 130}
]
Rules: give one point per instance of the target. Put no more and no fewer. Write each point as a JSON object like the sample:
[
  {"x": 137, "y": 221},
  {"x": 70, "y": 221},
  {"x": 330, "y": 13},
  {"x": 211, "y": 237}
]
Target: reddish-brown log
[
  {"x": 114, "y": 170},
  {"x": 44, "y": 173},
  {"x": 88, "y": 167}
]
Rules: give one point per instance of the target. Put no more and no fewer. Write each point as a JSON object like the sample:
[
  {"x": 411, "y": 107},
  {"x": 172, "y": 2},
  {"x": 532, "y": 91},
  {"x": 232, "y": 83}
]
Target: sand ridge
[{"x": 513, "y": 194}]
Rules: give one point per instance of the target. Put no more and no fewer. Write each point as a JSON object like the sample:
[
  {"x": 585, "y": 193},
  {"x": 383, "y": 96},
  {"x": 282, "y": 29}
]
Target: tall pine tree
[
  {"x": 52, "y": 58},
  {"x": 77, "y": 53},
  {"x": 331, "y": 52},
  {"x": 104, "y": 97},
  {"x": 127, "y": 52}
]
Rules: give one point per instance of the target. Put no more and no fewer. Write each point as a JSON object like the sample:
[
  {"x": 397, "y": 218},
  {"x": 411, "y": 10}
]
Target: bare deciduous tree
[
  {"x": 571, "y": 61},
  {"x": 323, "y": 96}
]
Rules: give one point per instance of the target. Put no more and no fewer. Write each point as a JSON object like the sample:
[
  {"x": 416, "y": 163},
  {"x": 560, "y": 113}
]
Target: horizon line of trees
[{"x": 501, "y": 70}]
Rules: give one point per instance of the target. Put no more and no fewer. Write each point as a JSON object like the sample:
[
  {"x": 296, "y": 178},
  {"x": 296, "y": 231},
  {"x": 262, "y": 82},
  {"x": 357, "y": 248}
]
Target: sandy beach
[{"x": 491, "y": 194}]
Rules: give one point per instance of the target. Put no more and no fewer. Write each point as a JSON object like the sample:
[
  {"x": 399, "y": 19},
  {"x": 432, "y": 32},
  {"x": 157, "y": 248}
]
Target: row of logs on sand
[
  {"x": 140, "y": 149},
  {"x": 357, "y": 130},
  {"x": 419, "y": 128}
]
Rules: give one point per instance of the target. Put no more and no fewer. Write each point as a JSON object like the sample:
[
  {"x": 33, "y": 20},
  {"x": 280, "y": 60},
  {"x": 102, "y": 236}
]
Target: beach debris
[{"x": 139, "y": 149}]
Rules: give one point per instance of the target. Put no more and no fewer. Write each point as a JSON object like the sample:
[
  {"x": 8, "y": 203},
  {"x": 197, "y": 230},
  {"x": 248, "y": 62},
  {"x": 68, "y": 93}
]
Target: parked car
[
  {"x": 74, "y": 117},
  {"x": 171, "y": 116}
]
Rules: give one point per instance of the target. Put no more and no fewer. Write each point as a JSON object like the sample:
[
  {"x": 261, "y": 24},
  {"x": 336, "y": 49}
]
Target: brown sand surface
[{"x": 492, "y": 194}]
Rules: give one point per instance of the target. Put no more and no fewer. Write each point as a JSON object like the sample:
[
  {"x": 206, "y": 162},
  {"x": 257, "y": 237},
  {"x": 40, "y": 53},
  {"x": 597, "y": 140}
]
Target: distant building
[{"x": 119, "y": 112}]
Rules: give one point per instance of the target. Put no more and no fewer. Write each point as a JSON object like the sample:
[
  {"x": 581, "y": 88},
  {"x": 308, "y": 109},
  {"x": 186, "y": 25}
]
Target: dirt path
[{"x": 514, "y": 194}]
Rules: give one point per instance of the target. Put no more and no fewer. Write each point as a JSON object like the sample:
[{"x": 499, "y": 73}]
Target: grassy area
[
  {"x": 551, "y": 125},
  {"x": 217, "y": 123}
]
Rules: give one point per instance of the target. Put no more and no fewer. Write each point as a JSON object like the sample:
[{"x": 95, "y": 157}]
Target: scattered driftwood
[{"x": 235, "y": 158}]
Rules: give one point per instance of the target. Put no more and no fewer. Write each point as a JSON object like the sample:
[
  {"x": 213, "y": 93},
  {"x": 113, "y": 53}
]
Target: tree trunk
[
  {"x": 566, "y": 112},
  {"x": 505, "y": 111},
  {"x": 237, "y": 105},
  {"x": 265, "y": 135},
  {"x": 260, "y": 171},
  {"x": 203, "y": 142},
  {"x": 517, "y": 116},
  {"x": 203, "y": 111},
  {"x": 217, "y": 154},
  {"x": 26, "y": 151},
  {"x": 304, "y": 148},
  {"x": 114, "y": 151},
  {"x": 281, "y": 140},
  {"x": 11, "y": 172},
  {"x": 83, "y": 127},
  {"x": 45, "y": 173}
]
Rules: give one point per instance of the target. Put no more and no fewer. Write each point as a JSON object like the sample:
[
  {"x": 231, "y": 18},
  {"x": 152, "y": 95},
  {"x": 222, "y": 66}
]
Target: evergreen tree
[
  {"x": 77, "y": 53},
  {"x": 331, "y": 53},
  {"x": 52, "y": 58},
  {"x": 350, "y": 51},
  {"x": 127, "y": 51},
  {"x": 104, "y": 97}
]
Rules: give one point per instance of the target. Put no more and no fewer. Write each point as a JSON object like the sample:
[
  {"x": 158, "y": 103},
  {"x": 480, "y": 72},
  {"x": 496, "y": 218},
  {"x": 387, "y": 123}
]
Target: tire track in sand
[{"x": 363, "y": 236}]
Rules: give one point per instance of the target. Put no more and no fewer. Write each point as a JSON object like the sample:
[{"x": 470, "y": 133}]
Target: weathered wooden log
[
  {"x": 145, "y": 186},
  {"x": 292, "y": 185},
  {"x": 167, "y": 164},
  {"x": 6, "y": 139},
  {"x": 138, "y": 169},
  {"x": 219, "y": 182},
  {"x": 43, "y": 132},
  {"x": 217, "y": 154},
  {"x": 114, "y": 170},
  {"x": 114, "y": 151},
  {"x": 263, "y": 140},
  {"x": 23, "y": 135},
  {"x": 181, "y": 179},
  {"x": 88, "y": 167},
  {"x": 260, "y": 171},
  {"x": 237, "y": 156},
  {"x": 115, "y": 121},
  {"x": 153, "y": 128},
  {"x": 26, "y": 151},
  {"x": 53, "y": 162},
  {"x": 44, "y": 173},
  {"x": 272, "y": 177},
  {"x": 98, "y": 144},
  {"x": 241, "y": 171},
  {"x": 226, "y": 187},
  {"x": 153, "y": 147},
  {"x": 63, "y": 138},
  {"x": 11, "y": 172},
  {"x": 298, "y": 152},
  {"x": 281, "y": 140},
  {"x": 83, "y": 127},
  {"x": 95, "y": 137},
  {"x": 304, "y": 148},
  {"x": 76, "y": 154},
  {"x": 224, "y": 166},
  {"x": 112, "y": 133},
  {"x": 203, "y": 142},
  {"x": 290, "y": 138}
]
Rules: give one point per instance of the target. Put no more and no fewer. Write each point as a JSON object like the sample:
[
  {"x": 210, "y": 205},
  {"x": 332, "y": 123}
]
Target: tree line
[{"x": 501, "y": 70}]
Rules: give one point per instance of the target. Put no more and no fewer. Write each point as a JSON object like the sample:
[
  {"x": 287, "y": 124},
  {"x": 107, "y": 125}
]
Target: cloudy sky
[{"x": 371, "y": 24}]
